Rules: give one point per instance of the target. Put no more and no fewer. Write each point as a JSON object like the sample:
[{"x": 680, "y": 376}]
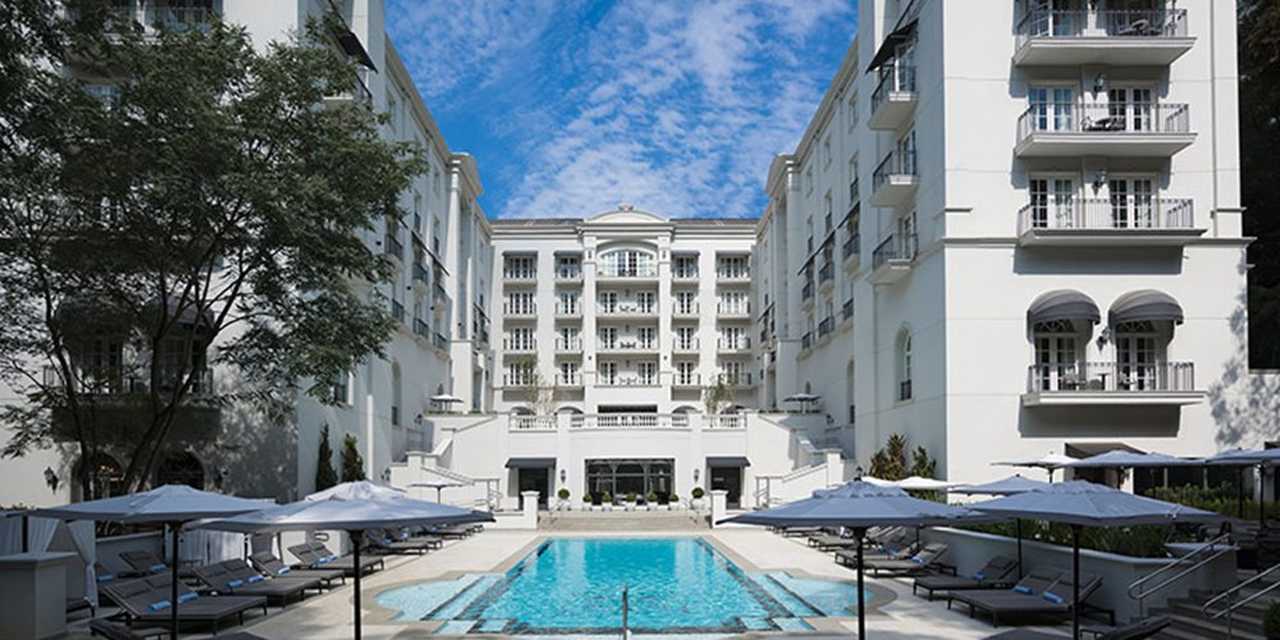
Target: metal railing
[
  {"x": 894, "y": 164},
  {"x": 1111, "y": 23},
  {"x": 420, "y": 273},
  {"x": 685, "y": 309},
  {"x": 740, "y": 343},
  {"x": 570, "y": 345},
  {"x": 639, "y": 346},
  {"x": 568, "y": 309},
  {"x": 1118, "y": 213},
  {"x": 827, "y": 325},
  {"x": 685, "y": 344},
  {"x": 568, "y": 275},
  {"x": 518, "y": 379},
  {"x": 1216, "y": 548},
  {"x": 439, "y": 341},
  {"x": 850, "y": 247},
  {"x": 733, "y": 309},
  {"x": 525, "y": 307},
  {"x": 894, "y": 247},
  {"x": 627, "y": 308},
  {"x": 1230, "y": 594},
  {"x": 806, "y": 291},
  {"x": 421, "y": 328},
  {"x": 627, "y": 271},
  {"x": 1117, "y": 118},
  {"x": 684, "y": 273},
  {"x": 519, "y": 272},
  {"x": 120, "y": 380},
  {"x": 737, "y": 274},
  {"x": 686, "y": 379},
  {"x": 846, "y": 309},
  {"x": 397, "y": 310},
  {"x": 569, "y": 379},
  {"x": 519, "y": 344},
  {"x": 895, "y": 77},
  {"x": 393, "y": 246},
  {"x": 806, "y": 340},
  {"x": 740, "y": 379},
  {"x": 1111, "y": 376}
]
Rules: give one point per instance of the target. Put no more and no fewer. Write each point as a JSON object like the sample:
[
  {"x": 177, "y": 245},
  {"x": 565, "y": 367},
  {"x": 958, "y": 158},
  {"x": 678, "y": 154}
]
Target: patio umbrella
[
  {"x": 1242, "y": 458},
  {"x": 1048, "y": 462},
  {"x": 858, "y": 505},
  {"x": 878, "y": 482},
  {"x": 803, "y": 398},
  {"x": 358, "y": 490},
  {"x": 353, "y": 509},
  {"x": 438, "y": 484},
  {"x": 1085, "y": 504},
  {"x": 1014, "y": 484},
  {"x": 917, "y": 483},
  {"x": 173, "y": 505}
]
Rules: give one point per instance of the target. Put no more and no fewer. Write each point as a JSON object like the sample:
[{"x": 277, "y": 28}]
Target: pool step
[
  {"x": 622, "y": 521},
  {"x": 454, "y": 606}
]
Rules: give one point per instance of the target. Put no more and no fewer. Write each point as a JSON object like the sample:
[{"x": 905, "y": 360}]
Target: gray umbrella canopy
[
  {"x": 1003, "y": 487},
  {"x": 858, "y": 505},
  {"x": 1245, "y": 457},
  {"x": 1121, "y": 459},
  {"x": 1085, "y": 504},
  {"x": 358, "y": 490},
  {"x": 172, "y": 504}
]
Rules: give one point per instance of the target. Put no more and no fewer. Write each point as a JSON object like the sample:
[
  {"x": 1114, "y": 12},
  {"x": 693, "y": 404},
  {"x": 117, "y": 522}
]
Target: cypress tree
[{"x": 326, "y": 475}]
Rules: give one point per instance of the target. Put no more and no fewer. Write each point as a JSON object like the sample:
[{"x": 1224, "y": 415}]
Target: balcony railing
[
  {"x": 440, "y": 342},
  {"x": 397, "y": 310},
  {"x": 520, "y": 308},
  {"x": 1114, "y": 119},
  {"x": 627, "y": 309},
  {"x": 827, "y": 325},
  {"x": 733, "y": 309},
  {"x": 894, "y": 247},
  {"x": 639, "y": 346},
  {"x": 1111, "y": 377},
  {"x": 851, "y": 246},
  {"x": 684, "y": 273},
  {"x": 1111, "y": 23},
  {"x": 826, "y": 273},
  {"x": 569, "y": 345},
  {"x": 630, "y": 421},
  {"x": 533, "y": 423},
  {"x": 1119, "y": 213},
  {"x": 519, "y": 345},
  {"x": 740, "y": 343},
  {"x": 421, "y": 328},
  {"x": 806, "y": 292},
  {"x": 806, "y": 340},
  {"x": 518, "y": 379},
  {"x": 420, "y": 273},
  {"x": 519, "y": 273},
  {"x": 894, "y": 78},
  {"x": 724, "y": 421},
  {"x": 628, "y": 271},
  {"x": 394, "y": 247},
  {"x": 682, "y": 379},
  {"x": 565, "y": 274},
  {"x": 180, "y": 18},
  {"x": 627, "y": 381},
  {"x": 846, "y": 310},
  {"x": 894, "y": 164},
  {"x": 685, "y": 309},
  {"x": 733, "y": 275},
  {"x": 685, "y": 345},
  {"x": 110, "y": 381},
  {"x": 742, "y": 379},
  {"x": 571, "y": 379},
  {"x": 570, "y": 310}
]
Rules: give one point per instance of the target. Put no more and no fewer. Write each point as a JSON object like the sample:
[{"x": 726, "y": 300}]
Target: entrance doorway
[
  {"x": 729, "y": 480},
  {"x": 535, "y": 480}
]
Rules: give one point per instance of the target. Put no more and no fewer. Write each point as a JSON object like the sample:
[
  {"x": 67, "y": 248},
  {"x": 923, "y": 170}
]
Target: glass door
[
  {"x": 1132, "y": 202},
  {"x": 1056, "y": 363},
  {"x": 1137, "y": 356}
]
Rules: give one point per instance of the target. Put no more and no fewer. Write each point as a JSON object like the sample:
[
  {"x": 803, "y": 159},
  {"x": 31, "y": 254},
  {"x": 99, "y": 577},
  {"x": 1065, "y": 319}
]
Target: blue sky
[{"x": 572, "y": 107}]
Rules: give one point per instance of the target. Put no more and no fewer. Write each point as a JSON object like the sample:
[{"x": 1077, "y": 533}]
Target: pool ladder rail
[{"x": 626, "y": 610}]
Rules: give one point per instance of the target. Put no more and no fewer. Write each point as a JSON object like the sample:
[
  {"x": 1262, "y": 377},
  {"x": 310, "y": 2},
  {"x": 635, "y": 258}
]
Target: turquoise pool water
[{"x": 571, "y": 586}]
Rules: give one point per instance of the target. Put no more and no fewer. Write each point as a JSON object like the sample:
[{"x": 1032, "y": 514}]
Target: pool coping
[{"x": 375, "y": 613}]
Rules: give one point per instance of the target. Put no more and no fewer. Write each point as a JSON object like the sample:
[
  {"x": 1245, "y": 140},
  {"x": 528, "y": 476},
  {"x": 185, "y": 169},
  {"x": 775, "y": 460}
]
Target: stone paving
[{"x": 328, "y": 616}]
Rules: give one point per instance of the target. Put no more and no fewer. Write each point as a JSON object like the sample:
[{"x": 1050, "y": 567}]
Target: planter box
[{"x": 969, "y": 550}]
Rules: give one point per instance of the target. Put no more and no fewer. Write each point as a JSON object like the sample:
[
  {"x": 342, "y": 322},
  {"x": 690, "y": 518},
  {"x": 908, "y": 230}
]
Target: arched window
[
  {"x": 1058, "y": 350},
  {"x": 904, "y": 365},
  {"x": 627, "y": 263},
  {"x": 108, "y": 478}
]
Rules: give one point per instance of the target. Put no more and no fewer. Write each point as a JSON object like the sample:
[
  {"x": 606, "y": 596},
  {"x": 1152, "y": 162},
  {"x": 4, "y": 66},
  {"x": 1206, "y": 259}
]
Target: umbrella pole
[
  {"x": 1262, "y": 494},
  {"x": 355, "y": 557},
  {"x": 862, "y": 613},
  {"x": 1240, "y": 492},
  {"x": 1018, "y": 524},
  {"x": 173, "y": 588},
  {"x": 26, "y": 534},
  {"x": 1075, "y": 582}
]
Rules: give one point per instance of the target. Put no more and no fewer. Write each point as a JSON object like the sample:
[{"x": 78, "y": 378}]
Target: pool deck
[{"x": 896, "y": 614}]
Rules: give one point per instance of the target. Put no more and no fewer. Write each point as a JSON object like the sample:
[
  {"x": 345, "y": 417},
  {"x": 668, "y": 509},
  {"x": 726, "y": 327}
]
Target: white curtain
[
  {"x": 85, "y": 538},
  {"x": 10, "y": 535},
  {"x": 40, "y": 533},
  {"x": 203, "y": 546}
]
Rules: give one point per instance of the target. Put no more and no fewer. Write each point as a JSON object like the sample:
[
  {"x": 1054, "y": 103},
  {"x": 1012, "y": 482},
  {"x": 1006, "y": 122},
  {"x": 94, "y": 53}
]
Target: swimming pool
[{"x": 571, "y": 586}]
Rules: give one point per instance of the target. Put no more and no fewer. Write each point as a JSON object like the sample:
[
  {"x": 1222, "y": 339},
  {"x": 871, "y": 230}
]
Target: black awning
[
  {"x": 530, "y": 463},
  {"x": 1063, "y": 304},
  {"x": 1090, "y": 449},
  {"x": 728, "y": 461},
  {"x": 1146, "y": 304},
  {"x": 890, "y": 45},
  {"x": 351, "y": 44}
]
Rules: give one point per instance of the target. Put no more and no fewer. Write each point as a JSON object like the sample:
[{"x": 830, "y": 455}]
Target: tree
[
  {"x": 352, "y": 463},
  {"x": 922, "y": 465},
  {"x": 209, "y": 201},
  {"x": 1259, "y": 67},
  {"x": 537, "y": 392},
  {"x": 716, "y": 396},
  {"x": 326, "y": 476},
  {"x": 890, "y": 462}
]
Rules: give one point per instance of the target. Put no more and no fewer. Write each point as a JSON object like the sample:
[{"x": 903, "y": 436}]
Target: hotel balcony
[
  {"x": 1116, "y": 222},
  {"x": 538, "y": 423},
  {"x": 1112, "y": 384},
  {"x": 685, "y": 311},
  {"x": 1119, "y": 37},
  {"x": 565, "y": 275},
  {"x": 421, "y": 276},
  {"x": 358, "y": 95},
  {"x": 440, "y": 294},
  {"x": 733, "y": 311},
  {"x": 1122, "y": 130},
  {"x": 564, "y": 311},
  {"x": 519, "y": 346},
  {"x": 737, "y": 380},
  {"x": 851, "y": 251},
  {"x": 393, "y": 247},
  {"x": 440, "y": 342},
  {"x": 520, "y": 276},
  {"x": 806, "y": 292},
  {"x": 846, "y": 311},
  {"x": 627, "y": 346},
  {"x": 638, "y": 273},
  {"x": 397, "y": 310},
  {"x": 892, "y": 259},
  {"x": 571, "y": 380},
  {"x": 684, "y": 276},
  {"x": 629, "y": 421},
  {"x": 520, "y": 311},
  {"x": 570, "y": 346},
  {"x": 686, "y": 380},
  {"x": 519, "y": 379},
  {"x": 806, "y": 341},
  {"x": 826, "y": 327},
  {"x": 690, "y": 345},
  {"x": 894, "y": 181},
  {"x": 894, "y": 99},
  {"x": 603, "y": 380},
  {"x": 113, "y": 394},
  {"x": 826, "y": 275},
  {"x": 739, "y": 345},
  {"x": 733, "y": 276},
  {"x": 626, "y": 310}
]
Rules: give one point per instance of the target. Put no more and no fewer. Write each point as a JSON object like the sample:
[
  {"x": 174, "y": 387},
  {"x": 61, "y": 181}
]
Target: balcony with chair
[
  {"x": 627, "y": 345},
  {"x": 1121, "y": 221},
  {"x": 1116, "y": 130},
  {"x": 895, "y": 179},
  {"x": 894, "y": 99},
  {"x": 892, "y": 259},
  {"x": 1114, "y": 37},
  {"x": 1112, "y": 384}
]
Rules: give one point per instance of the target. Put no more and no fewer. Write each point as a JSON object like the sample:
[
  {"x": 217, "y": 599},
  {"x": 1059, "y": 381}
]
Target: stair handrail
[
  {"x": 1223, "y": 546},
  {"x": 626, "y": 606},
  {"x": 1230, "y": 593}
]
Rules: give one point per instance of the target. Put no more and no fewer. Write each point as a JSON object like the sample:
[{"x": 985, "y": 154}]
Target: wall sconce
[
  {"x": 51, "y": 479},
  {"x": 1104, "y": 337},
  {"x": 696, "y": 472},
  {"x": 386, "y": 474},
  {"x": 418, "y": 420},
  {"x": 1099, "y": 83},
  {"x": 857, "y": 473},
  {"x": 563, "y": 476},
  {"x": 1099, "y": 179}
]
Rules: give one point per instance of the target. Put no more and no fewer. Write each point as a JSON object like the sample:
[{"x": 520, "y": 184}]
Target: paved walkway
[{"x": 329, "y": 616}]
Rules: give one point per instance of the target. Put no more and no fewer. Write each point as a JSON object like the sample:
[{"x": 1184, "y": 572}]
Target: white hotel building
[{"x": 1012, "y": 227}]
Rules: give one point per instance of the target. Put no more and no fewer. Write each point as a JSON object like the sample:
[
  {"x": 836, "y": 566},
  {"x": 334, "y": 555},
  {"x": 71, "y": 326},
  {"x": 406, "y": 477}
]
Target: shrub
[
  {"x": 326, "y": 476},
  {"x": 352, "y": 463},
  {"x": 698, "y": 493},
  {"x": 652, "y": 498},
  {"x": 563, "y": 493},
  {"x": 631, "y": 497},
  {"x": 606, "y": 498},
  {"x": 672, "y": 498},
  {"x": 1141, "y": 541},
  {"x": 1271, "y": 621}
]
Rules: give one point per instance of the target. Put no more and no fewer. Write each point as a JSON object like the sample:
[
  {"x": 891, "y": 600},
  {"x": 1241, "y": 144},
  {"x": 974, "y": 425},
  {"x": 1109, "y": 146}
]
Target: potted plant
[
  {"x": 630, "y": 502},
  {"x": 1271, "y": 622},
  {"x": 588, "y": 501},
  {"x": 673, "y": 502},
  {"x": 697, "y": 502},
  {"x": 563, "y": 494},
  {"x": 606, "y": 501}
]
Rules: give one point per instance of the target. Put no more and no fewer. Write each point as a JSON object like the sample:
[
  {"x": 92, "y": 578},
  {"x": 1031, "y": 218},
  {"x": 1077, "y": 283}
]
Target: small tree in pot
[
  {"x": 631, "y": 502},
  {"x": 606, "y": 501},
  {"x": 563, "y": 494},
  {"x": 697, "y": 502},
  {"x": 651, "y": 501}
]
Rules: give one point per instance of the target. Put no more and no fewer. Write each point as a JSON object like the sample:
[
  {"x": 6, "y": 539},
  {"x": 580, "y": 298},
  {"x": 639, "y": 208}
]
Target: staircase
[{"x": 1190, "y": 622}]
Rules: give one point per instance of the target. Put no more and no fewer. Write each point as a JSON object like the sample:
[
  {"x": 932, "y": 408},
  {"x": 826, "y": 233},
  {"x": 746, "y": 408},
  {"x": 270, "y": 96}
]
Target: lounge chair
[
  {"x": 144, "y": 563},
  {"x": 993, "y": 575},
  {"x": 1053, "y": 601},
  {"x": 103, "y": 628},
  {"x": 832, "y": 541},
  {"x": 268, "y": 565},
  {"x": 1034, "y": 583},
  {"x": 381, "y": 541},
  {"x": 315, "y": 555},
  {"x": 235, "y": 577},
  {"x": 146, "y": 600},
  {"x": 454, "y": 532},
  {"x": 926, "y": 559},
  {"x": 849, "y": 557},
  {"x": 799, "y": 532},
  {"x": 1139, "y": 630}
]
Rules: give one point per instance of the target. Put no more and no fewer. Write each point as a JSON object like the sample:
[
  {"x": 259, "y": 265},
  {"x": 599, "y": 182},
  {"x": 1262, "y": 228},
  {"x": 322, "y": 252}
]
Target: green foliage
[
  {"x": 717, "y": 396},
  {"x": 697, "y": 493},
  {"x": 563, "y": 493},
  {"x": 1223, "y": 499},
  {"x": 631, "y": 497},
  {"x": 651, "y": 497},
  {"x": 606, "y": 498},
  {"x": 890, "y": 462},
  {"x": 352, "y": 462},
  {"x": 1271, "y": 621},
  {"x": 1140, "y": 541},
  {"x": 1259, "y": 68},
  {"x": 326, "y": 476},
  {"x": 213, "y": 186}
]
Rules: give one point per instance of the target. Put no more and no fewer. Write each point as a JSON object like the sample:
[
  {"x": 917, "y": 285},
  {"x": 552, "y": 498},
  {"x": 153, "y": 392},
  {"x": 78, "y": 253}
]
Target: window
[
  {"x": 685, "y": 338},
  {"x": 520, "y": 339},
  {"x": 648, "y": 372},
  {"x": 826, "y": 204},
  {"x": 107, "y": 94},
  {"x": 608, "y": 372},
  {"x": 853, "y": 181},
  {"x": 1132, "y": 201},
  {"x": 1052, "y": 203},
  {"x": 853, "y": 109},
  {"x": 568, "y": 372},
  {"x": 907, "y": 154},
  {"x": 686, "y": 266},
  {"x": 393, "y": 110},
  {"x": 686, "y": 373},
  {"x": 904, "y": 366},
  {"x": 647, "y": 301},
  {"x": 1140, "y": 352},
  {"x": 568, "y": 303},
  {"x": 1052, "y": 108},
  {"x": 608, "y": 302},
  {"x": 647, "y": 336},
  {"x": 826, "y": 153},
  {"x": 686, "y": 303},
  {"x": 340, "y": 389},
  {"x": 397, "y": 394},
  {"x": 1057, "y": 355},
  {"x": 608, "y": 337},
  {"x": 808, "y": 180},
  {"x": 627, "y": 263}
]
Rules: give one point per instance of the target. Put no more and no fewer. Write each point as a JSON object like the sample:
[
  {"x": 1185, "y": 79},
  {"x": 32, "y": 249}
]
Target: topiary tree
[
  {"x": 352, "y": 463},
  {"x": 890, "y": 463},
  {"x": 326, "y": 476}
]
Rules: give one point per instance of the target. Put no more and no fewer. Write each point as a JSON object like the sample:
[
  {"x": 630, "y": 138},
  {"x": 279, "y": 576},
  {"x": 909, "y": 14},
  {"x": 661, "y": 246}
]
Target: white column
[
  {"x": 719, "y": 510},
  {"x": 33, "y": 595}
]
